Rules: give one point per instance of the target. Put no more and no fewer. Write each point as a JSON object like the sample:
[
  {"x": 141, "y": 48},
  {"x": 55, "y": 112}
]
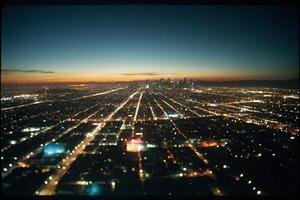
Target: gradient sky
[{"x": 107, "y": 43}]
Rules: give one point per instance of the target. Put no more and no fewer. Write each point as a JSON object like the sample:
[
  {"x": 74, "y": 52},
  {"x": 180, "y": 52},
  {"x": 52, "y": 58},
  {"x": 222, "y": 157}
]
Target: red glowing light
[
  {"x": 136, "y": 141},
  {"x": 135, "y": 145}
]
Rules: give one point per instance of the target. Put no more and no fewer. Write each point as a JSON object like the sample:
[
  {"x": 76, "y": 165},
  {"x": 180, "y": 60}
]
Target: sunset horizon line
[{"x": 143, "y": 80}]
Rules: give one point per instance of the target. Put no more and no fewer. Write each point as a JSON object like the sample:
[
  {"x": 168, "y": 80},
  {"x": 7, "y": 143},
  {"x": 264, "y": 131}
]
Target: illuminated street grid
[{"x": 148, "y": 138}]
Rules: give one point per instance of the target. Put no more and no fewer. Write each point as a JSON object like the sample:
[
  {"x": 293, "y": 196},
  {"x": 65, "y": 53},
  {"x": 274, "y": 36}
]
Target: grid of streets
[{"x": 149, "y": 139}]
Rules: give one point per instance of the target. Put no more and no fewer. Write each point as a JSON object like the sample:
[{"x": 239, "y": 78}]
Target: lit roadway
[
  {"x": 97, "y": 94},
  {"x": 50, "y": 184},
  {"x": 172, "y": 107},
  {"x": 153, "y": 114},
  {"x": 38, "y": 150},
  {"x": 200, "y": 156},
  {"x": 166, "y": 115},
  {"x": 26, "y": 105},
  {"x": 120, "y": 131},
  {"x": 64, "y": 165},
  {"x": 137, "y": 107},
  {"x": 141, "y": 172},
  {"x": 181, "y": 105},
  {"x": 189, "y": 144},
  {"x": 47, "y": 101},
  {"x": 216, "y": 190},
  {"x": 49, "y": 128},
  {"x": 46, "y": 129}
]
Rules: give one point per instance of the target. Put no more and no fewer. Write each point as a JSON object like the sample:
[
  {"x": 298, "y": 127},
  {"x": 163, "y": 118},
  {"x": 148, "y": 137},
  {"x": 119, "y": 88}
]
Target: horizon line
[{"x": 143, "y": 80}]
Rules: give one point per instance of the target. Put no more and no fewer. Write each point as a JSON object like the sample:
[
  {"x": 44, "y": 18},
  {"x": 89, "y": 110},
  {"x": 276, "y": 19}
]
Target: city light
[
  {"x": 54, "y": 149},
  {"x": 162, "y": 101},
  {"x": 135, "y": 145}
]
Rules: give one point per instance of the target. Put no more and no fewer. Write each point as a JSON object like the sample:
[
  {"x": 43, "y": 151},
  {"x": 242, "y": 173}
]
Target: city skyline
[
  {"x": 167, "y": 101},
  {"x": 128, "y": 43}
]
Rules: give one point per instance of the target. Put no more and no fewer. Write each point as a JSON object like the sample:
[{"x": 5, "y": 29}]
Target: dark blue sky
[{"x": 121, "y": 41}]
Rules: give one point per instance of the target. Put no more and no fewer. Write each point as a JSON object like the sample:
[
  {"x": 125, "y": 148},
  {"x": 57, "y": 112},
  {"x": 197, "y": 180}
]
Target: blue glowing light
[
  {"x": 54, "y": 149},
  {"x": 93, "y": 189}
]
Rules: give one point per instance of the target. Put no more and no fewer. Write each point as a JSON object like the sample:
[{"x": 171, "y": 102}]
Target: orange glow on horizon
[{"x": 31, "y": 78}]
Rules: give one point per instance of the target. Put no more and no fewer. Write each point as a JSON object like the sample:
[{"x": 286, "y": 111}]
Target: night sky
[{"x": 108, "y": 43}]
